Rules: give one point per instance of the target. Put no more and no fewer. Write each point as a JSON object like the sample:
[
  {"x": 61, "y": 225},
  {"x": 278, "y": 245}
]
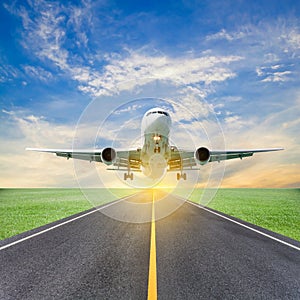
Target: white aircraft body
[{"x": 157, "y": 156}]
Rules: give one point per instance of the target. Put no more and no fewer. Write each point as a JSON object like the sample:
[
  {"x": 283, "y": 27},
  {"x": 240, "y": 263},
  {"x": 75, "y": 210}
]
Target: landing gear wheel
[
  {"x": 181, "y": 175},
  {"x": 128, "y": 175}
]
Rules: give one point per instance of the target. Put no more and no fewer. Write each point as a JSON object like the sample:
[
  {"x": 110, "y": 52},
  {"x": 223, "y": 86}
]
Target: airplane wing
[
  {"x": 185, "y": 159},
  {"x": 84, "y": 154},
  {"x": 218, "y": 155},
  {"x": 124, "y": 158}
]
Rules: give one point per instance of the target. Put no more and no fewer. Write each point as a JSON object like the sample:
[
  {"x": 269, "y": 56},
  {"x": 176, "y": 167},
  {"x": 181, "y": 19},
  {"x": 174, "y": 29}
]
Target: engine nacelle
[
  {"x": 202, "y": 155},
  {"x": 109, "y": 156}
]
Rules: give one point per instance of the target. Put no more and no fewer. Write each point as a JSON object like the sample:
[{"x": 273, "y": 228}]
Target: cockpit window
[{"x": 158, "y": 112}]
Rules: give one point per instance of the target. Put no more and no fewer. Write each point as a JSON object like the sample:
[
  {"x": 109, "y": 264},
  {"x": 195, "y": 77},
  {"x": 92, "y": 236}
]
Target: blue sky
[{"x": 240, "y": 58}]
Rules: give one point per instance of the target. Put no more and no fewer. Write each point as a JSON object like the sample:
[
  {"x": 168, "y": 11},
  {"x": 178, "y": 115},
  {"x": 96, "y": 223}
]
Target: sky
[{"x": 70, "y": 68}]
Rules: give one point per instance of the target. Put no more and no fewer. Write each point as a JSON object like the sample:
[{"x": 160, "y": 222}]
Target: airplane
[{"x": 156, "y": 156}]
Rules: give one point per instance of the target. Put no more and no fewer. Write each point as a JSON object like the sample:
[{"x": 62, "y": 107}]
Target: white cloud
[
  {"x": 80, "y": 20},
  {"x": 271, "y": 58},
  {"x": 291, "y": 39},
  {"x": 271, "y": 40},
  {"x": 291, "y": 123},
  {"x": 37, "y": 73},
  {"x": 129, "y": 109},
  {"x": 46, "y": 30},
  {"x": 231, "y": 98},
  {"x": 259, "y": 71},
  {"x": 137, "y": 69},
  {"x": 7, "y": 72},
  {"x": 266, "y": 169},
  {"x": 223, "y": 34},
  {"x": 278, "y": 129},
  {"x": 278, "y": 77},
  {"x": 33, "y": 169},
  {"x": 46, "y": 25},
  {"x": 235, "y": 121},
  {"x": 275, "y": 73},
  {"x": 275, "y": 67}
]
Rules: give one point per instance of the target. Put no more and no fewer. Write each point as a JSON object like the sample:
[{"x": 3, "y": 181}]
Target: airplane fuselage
[{"x": 156, "y": 125}]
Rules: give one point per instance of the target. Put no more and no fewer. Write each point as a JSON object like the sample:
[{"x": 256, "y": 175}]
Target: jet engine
[
  {"x": 109, "y": 156},
  {"x": 202, "y": 155}
]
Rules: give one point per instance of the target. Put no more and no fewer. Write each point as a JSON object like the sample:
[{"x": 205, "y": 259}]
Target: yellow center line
[{"x": 152, "y": 281}]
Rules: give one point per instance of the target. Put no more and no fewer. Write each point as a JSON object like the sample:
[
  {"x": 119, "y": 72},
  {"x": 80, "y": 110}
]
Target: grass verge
[
  {"x": 275, "y": 209},
  {"x": 25, "y": 209}
]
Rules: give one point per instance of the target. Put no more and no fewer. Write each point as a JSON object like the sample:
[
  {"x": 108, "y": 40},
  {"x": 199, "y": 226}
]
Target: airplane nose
[
  {"x": 157, "y": 123},
  {"x": 159, "y": 118},
  {"x": 160, "y": 121}
]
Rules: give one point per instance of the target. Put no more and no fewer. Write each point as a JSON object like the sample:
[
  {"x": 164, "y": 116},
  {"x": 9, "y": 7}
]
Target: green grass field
[
  {"x": 24, "y": 209},
  {"x": 275, "y": 209}
]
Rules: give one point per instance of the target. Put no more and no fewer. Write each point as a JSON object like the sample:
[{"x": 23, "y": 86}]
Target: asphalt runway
[{"x": 191, "y": 254}]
